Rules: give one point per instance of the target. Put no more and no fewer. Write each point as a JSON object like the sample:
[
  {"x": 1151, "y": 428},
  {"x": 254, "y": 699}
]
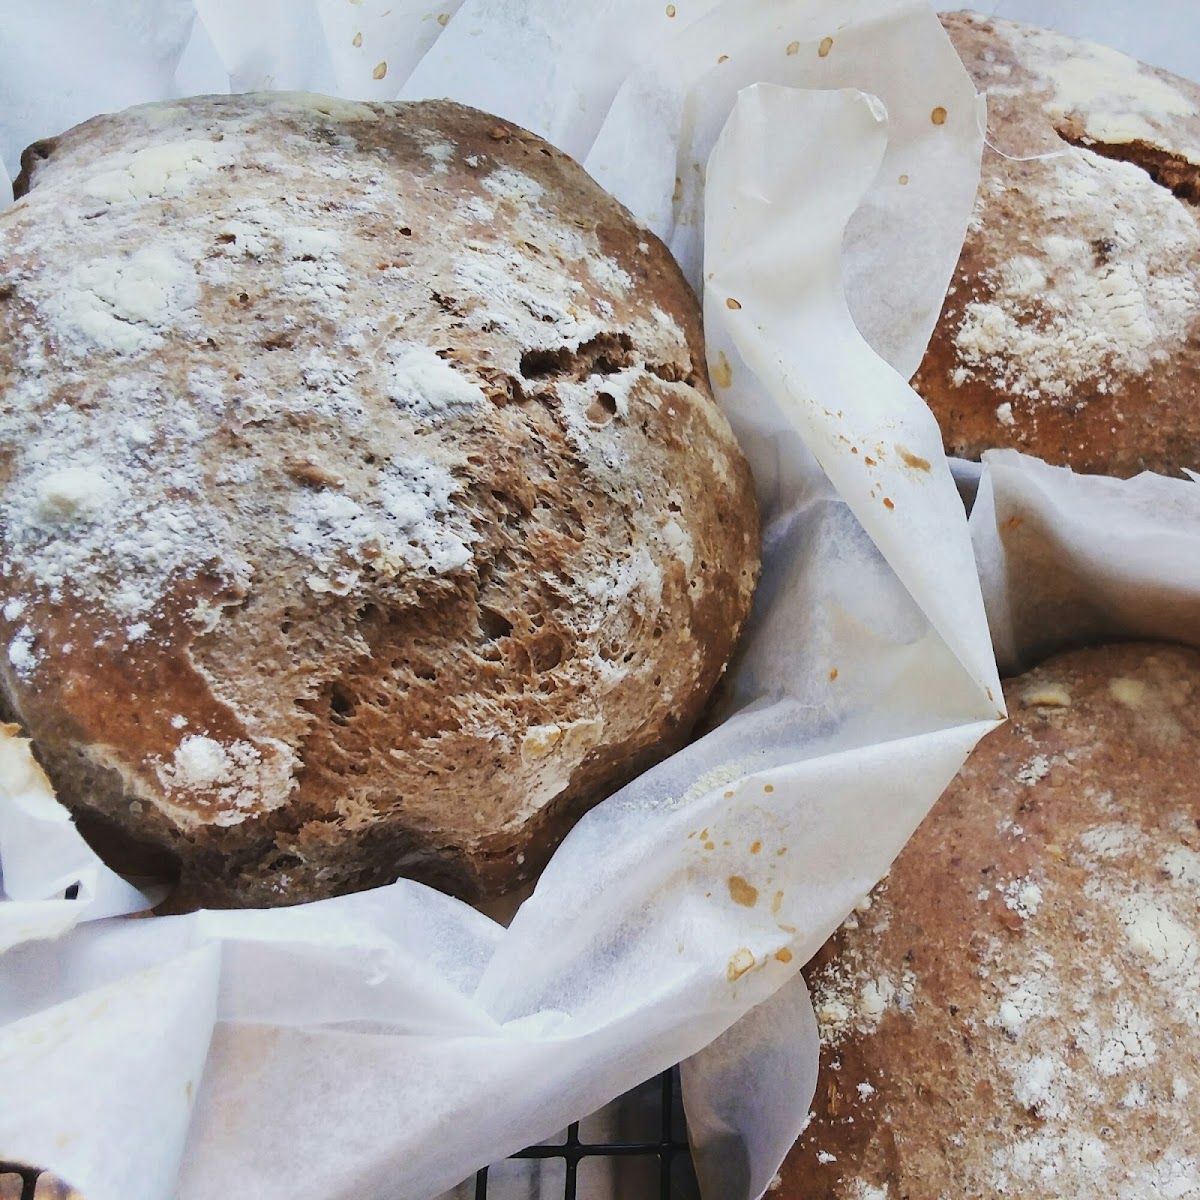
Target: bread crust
[
  {"x": 1016, "y": 1009},
  {"x": 1071, "y": 329},
  {"x": 365, "y": 510}
]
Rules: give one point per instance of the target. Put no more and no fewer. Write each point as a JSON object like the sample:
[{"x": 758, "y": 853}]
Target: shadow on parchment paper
[{"x": 1074, "y": 560}]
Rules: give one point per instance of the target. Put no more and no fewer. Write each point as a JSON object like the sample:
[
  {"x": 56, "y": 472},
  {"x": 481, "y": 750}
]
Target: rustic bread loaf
[
  {"x": 364, "y": 508},
  {"x": 1071, "y": 329},
  {"x": 1016, "y": 1009}
]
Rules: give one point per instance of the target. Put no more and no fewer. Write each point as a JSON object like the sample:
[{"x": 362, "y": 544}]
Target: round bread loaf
[
  {"x": 364, "y": 508},
  {"x": 1016, "y": 1009},
  {"x": 1071, "y": 329}
]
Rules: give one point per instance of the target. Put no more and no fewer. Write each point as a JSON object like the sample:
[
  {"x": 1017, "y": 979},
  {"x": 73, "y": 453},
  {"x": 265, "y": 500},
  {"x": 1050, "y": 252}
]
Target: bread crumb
[
  {"x": 539, "y": 741},
  {"x": 741, "y": 961},
  {"x": 1047, "y": 695}
]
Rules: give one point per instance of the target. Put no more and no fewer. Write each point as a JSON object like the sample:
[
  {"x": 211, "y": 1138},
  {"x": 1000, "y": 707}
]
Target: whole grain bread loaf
[
  {"x": 364, "y": 508},
  {"x": 1071, "y": 329},
  {"x": 1015, "y": 1010}
]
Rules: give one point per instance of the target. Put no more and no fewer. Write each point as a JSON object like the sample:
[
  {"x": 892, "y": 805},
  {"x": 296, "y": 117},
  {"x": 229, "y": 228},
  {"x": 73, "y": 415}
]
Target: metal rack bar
[
  {"x": 29, "y": 1177},
  {"x": 572, "y": 1151}
]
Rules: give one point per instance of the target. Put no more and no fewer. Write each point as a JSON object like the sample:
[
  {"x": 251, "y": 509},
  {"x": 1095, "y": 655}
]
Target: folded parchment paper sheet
[{"x": 383, "y": 1046}]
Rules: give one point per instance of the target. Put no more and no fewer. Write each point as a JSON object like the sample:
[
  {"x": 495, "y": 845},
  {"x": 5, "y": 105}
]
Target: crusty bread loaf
[
  {"x": 1071, "y": 329},
  {"x": 364, "y": 507},
  {"x": 1016, "y": 1009}
]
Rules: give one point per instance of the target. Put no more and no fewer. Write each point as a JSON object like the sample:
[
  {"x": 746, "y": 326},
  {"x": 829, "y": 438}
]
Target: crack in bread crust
[{"x": 1071, "y": 328}]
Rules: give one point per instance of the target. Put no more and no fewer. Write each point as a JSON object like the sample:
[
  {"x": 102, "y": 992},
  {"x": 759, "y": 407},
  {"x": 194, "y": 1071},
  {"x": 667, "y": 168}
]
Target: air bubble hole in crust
[
  {"x": 547, "y": 652},
  {"x": 341, "y": 704},
  {"x": 494, "y": 625},
  {"x": 602, "y": 409}
]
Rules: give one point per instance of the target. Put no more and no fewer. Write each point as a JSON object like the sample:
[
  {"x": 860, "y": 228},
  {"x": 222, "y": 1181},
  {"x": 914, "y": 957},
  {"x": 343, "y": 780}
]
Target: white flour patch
[
  {"x": 442, "y": 153},
  {"x": 166, "y": 170},
  {"x": 506, "y": 183},
  {"x": 121, "y": 304},
  {"x": 412, "y": 522},
  {"x": 1037, "y": 768},
  {"x": 95, "y": 530},
  {"x": 427, "y": 387},
  {"x": 21, "y": 653},
  {"x": 1058, "y": 318}
]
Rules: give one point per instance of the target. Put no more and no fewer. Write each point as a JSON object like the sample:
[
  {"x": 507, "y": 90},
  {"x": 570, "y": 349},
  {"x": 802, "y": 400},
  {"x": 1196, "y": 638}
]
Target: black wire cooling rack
[
  {"x": 662, "y": 1159},
  {"x": 17, "y": 1182},
  {"x": 667, "y": 1155}
]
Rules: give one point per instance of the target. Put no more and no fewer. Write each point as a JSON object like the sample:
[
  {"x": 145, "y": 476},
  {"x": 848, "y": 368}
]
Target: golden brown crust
[
  {"x": 401, "y": 524},
  {"x": 1016, "y": 1010},
  {"x": 1070, "y": 330}
]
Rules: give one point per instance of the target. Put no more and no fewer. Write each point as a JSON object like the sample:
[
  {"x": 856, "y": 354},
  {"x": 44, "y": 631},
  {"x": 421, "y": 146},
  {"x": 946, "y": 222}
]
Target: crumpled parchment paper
[{"x": 387, "y": 1044}]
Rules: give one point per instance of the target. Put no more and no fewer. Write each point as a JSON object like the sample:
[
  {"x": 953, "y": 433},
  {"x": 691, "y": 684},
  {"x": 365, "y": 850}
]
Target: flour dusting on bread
[
  {"x": 1045, "y": 1039},
  {"x": 357, "y": 437}
]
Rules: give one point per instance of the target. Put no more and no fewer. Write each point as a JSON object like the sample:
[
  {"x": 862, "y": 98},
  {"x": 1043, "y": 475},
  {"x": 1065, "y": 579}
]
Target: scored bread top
[
  {"x": 362, "y": 493},
  {"x": 1071, "y": 329}
]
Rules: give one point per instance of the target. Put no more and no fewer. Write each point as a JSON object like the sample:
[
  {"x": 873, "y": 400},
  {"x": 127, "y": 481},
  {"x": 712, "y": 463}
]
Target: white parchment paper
[
  {"x": 387, "y": 1044},
  {"x": 1072, "y": 559}
]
